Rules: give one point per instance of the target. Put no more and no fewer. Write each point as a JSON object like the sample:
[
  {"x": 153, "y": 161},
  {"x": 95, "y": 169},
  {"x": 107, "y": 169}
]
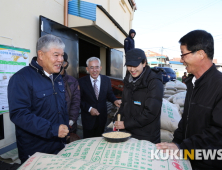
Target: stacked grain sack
[
  {"x": 170, "y": 118},
  {"x": 174, "y": 92},
  {"x": 181, "y": 87},
  {"x": 180, "y": 95},
  {"x": 169, "y": 89},
  {"x": 173, "y": 87},
  {"x": 179, "y": 100}
]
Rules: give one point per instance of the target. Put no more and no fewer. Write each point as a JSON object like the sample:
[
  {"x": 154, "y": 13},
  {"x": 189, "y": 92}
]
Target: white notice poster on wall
[{"x": 12, "y": 59}]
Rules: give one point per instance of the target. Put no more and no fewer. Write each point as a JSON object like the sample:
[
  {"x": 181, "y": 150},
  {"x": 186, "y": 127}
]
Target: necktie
[
  {"x": 96, "y": 89},
  {"x": 51, "y": 77}
]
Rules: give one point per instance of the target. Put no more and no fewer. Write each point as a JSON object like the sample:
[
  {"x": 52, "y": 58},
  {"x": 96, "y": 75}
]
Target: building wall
[
  {"x": 120, "y": 10},
  {"x": 20, "y": 21},
  {"x": 106, "y": 24},
  {"x": 179, "y": 69},
  {"x": 104, "y": 3}
]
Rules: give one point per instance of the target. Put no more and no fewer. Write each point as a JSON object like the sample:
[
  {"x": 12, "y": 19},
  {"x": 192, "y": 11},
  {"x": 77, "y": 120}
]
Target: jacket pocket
[
  {"x": 62, "y": 89},
  {"x": 44, "y": 103},
  {"x": 44, "y": 93},
  {"x": 61, "y": 92}
]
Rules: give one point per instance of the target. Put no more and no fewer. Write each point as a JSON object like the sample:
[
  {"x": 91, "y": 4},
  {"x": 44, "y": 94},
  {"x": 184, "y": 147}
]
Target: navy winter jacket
[
  {"x": 37, "y": 107},
  {"x": 129, "y": 41}
]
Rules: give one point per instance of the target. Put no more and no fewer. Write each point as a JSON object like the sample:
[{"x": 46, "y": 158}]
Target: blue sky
[{"x": 161, "y": 23}]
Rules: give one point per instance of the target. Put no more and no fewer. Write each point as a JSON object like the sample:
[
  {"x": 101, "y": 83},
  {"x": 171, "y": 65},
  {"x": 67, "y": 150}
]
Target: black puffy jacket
[
  {"x": 141, "y": 105},
  {"x": 201, "y": 123},
  {"x": 129, "y": 41}
]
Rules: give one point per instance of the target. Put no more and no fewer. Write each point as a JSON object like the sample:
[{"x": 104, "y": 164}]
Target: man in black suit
[{"x": 95, "y": 91}]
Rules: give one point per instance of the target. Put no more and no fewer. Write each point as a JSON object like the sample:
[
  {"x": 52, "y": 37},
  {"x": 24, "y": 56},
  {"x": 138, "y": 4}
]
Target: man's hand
[
  {"x": 119, "y": 125},
  {"x": 63, "y": 131},
  {"x": 94, "y": 112},
  {"x": 118, "y": 103},
  {"x": 167, "y": 146}
]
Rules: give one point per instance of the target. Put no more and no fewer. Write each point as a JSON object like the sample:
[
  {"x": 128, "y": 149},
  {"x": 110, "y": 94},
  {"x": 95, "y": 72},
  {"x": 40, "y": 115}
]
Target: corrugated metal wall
[{"x": 82, "y": 9}]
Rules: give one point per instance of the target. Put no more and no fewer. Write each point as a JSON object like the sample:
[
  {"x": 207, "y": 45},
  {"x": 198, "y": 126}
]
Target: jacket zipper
[
  {"x": 53, "y": 84},
  {"x": 55, "y": 93},
  {"x": 189, "y": 111}
]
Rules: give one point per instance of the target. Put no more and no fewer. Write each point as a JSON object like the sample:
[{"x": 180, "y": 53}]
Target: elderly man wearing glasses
[
  {"x": 200, "y": 128},
  {"x": 95, "y": 91}
]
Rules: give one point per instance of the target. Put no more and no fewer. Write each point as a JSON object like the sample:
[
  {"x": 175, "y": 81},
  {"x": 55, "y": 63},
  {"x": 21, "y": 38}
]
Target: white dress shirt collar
[
  {"x": 98, "y": 79},
  {"x": 47, "y": 74},
  {"x": 193, "y": 80}
]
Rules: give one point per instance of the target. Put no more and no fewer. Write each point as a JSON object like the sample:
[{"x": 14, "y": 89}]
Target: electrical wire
[{"x": 171, "y": 49}]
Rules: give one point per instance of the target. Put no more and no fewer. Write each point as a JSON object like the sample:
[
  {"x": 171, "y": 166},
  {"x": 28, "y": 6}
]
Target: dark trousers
[{"x": 96, "y": 131}]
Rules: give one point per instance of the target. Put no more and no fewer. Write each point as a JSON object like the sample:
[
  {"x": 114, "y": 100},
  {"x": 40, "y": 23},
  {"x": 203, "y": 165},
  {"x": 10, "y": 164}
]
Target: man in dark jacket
[
  {"x": 36, "y": 97},
  {"x": 72, "y": 95},
  {"x": 129, "y": 41},
  {"x": 200, "y": 128},
  {"x": 95, "y": 91},
  {"x": 141, "y": 99}
]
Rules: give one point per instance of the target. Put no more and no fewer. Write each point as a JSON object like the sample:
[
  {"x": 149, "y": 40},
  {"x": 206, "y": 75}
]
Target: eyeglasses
[
  {"x": 182, "y": 56},
  {"x": 92, "y": 68}
]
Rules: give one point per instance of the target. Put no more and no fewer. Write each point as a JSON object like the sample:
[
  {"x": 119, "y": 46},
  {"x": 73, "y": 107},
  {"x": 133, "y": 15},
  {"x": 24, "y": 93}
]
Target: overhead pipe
[{"x": 66, "y": 13}]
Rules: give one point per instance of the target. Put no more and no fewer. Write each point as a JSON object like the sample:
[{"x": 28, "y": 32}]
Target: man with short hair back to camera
[
  {"x": 36, "y": 97},
  {"x": 200, "y": 127}
]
